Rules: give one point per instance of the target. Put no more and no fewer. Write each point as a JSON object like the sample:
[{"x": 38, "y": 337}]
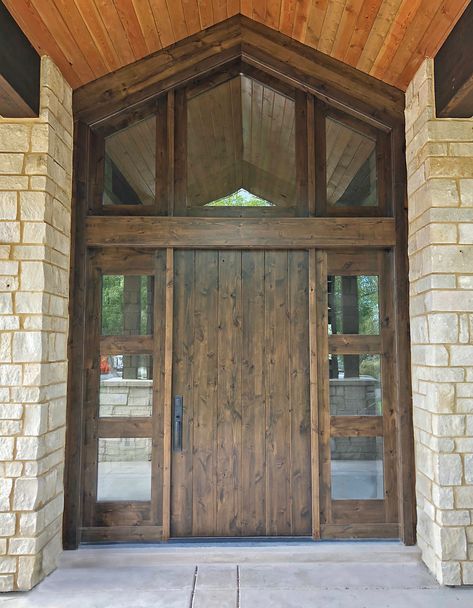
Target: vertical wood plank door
[{"x": 241, "y": 365}]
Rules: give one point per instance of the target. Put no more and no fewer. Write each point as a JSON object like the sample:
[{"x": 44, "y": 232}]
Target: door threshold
[{"x": 240, "y": 540}]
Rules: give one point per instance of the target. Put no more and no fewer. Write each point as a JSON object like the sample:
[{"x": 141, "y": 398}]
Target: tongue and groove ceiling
[{"x": 89, "y": 38}]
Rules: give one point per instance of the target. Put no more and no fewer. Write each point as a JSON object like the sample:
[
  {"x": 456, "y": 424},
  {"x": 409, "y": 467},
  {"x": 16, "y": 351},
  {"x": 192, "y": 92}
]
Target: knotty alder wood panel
[
  {"x": 187, "y": 232},
  {"x": 385, "y": 38},
  {"x": 241, "y": 364}
]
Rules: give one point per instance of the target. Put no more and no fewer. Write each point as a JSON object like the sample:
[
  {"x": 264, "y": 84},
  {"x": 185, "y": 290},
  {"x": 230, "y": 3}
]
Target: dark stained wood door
[{"x": 241, "y": 364}]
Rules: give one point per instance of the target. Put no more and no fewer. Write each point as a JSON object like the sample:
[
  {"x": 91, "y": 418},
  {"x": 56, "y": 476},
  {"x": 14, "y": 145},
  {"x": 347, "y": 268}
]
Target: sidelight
[
  {"x": 124, "y": 469},
  {"x": 357, "y": 468},
  {"x": 127, "y": 305}
]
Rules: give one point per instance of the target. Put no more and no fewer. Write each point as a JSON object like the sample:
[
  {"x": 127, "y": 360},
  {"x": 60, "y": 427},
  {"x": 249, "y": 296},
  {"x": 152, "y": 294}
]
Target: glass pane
[
  {"x": 126, "y": 385},
  {"x": 353, "y": 305},
  {"x": 130, "y": 165},
  {"x": 127, "y": 305},
  {"x": 241, "y": 146},
  {"x": 351, "y": 167},
  {"x": 124, "y": 469},
  {"x": 357, "y": 468},
  {"x": 355, "y": 385}
]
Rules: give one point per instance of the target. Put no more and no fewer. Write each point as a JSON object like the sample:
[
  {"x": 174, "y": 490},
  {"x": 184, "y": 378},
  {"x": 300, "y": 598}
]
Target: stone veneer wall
[
  {"x": 440, "y": 190},
  {"x": 35, "y": 213}
]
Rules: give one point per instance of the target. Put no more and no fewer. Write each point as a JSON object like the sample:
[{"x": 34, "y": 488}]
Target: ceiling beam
[
  {"x": 453, "y": 66},
  {"x": 19, "y": 70}
]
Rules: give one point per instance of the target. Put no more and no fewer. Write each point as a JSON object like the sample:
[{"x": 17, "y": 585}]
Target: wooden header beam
[
  {"x": 454, "y": 71},
  {"x": 247, "y": 233},
  {"x": 20, "y": 68}
]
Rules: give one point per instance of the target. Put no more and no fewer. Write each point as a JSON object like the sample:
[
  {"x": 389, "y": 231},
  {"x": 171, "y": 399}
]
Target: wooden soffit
[{"x": 385, "y": 38}]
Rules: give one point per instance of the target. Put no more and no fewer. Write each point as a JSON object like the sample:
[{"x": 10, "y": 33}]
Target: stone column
[
  {"x": 440, "y": 190},
  {"x": 35, "y": 213}
]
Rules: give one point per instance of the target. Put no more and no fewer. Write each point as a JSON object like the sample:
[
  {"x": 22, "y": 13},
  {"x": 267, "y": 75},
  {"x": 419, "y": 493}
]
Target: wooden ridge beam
[{"x": 247, "y": 233}]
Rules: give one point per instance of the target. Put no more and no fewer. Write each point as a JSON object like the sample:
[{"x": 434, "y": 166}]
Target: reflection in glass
[
  {"x": 124, "y": 469},
  {"x": 353, "y": 305},
  {"x": 351, "y": 167},
  {"x": 127, "y": 305},
  {"x": 130, "y": 165},
  {"x": 126, "y": 386},
  {"x": 357, "y": 468},
  {"x": 355, "y": 385},
  {"x": 241, "y": 146}
]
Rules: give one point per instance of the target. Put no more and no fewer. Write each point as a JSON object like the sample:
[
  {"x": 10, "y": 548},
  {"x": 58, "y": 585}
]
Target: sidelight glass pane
[
  {"x": 127, "y": 305},
  {"x": 126, "y": 386},
  {"x": 355, "y": 385},
  {"x": 351, "y": 167},
  {"x": 353, "y": 303},
  {"x": 124, "y": 469},
  {"x": 130, "y": 165},
  {"x": 357, "y": 468},
  {"x": 241, "y": 146}
]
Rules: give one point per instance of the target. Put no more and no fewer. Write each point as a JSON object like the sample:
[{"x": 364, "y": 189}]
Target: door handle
[{"x": 177, "y": 420}]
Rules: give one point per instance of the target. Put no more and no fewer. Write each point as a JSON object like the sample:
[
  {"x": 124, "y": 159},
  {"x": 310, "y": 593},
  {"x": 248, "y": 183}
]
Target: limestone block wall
[
  {"x": 35, "y": 213},
  {"x": 440, "y": 191}
]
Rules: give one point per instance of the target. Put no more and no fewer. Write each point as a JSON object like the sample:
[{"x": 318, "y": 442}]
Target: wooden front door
[{"x": 241, "y": 366}]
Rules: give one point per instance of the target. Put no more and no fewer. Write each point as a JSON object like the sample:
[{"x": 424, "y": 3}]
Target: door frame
[{"x": 326, "y": 84}]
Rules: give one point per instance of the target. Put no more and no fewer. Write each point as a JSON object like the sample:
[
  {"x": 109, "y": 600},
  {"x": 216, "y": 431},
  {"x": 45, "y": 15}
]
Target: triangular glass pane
[{"x": 240, "y": 198}]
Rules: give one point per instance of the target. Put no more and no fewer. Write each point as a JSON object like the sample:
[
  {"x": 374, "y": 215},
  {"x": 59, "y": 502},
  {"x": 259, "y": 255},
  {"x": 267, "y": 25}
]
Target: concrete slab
[{"x": 242, "y": 575}]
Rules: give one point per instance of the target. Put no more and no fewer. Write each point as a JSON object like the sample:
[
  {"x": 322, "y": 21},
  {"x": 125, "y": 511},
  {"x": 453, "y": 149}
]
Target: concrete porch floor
[{"x": 242, "y": 575}]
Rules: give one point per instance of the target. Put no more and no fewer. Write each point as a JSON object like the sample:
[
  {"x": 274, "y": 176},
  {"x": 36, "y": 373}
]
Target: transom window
[{"x": 241, "y": 143}]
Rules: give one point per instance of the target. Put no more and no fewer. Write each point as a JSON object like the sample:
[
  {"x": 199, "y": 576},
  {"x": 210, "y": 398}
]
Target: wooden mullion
[
  {"x": 311, "y": 157},
  {"x": 180, "y": 152},
  {"x": 132, "y": 210},
  {"x": 360, "y": 530},
  {"x": 92, "y": 379},
  {"x": 390, "y": 406},
  {"x": 95, "y": 534},
  {"x": 124, "y": 427},
  {"x": 353, "y": 262},
  {"x": 167, "y": 413},
  {"x": 159, "y": 406},
  {"x": 354, "y": 344},
  {"x": 356, "y": 426},
  {"x": 323, "y": 386},
  {"x": 123, "y": 345},
  {"x": 314, "y": 395},
  {"x": 351, "y": 512},
  {"x": 163, "y": 158},
  {"x": 97, "y": 172},
  {"x": 320, "y": 146},
  {"x": 302, "y": 204},
  {"x": 125, "y": 261}
]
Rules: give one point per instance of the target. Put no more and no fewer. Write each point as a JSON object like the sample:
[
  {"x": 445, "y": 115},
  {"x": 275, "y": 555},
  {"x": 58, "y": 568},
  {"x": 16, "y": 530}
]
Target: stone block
[
  {"x": 466, "y": 192},
  {"x": 8, "y": 206},
  {"x": 7, "y": 445},
  {"x": 7, "y": 528},
  {"x": 26, "y": 495},
  {"x": 9, "y": 232},
  {"x": 6, "y": 486},
  {"x": 28, "y": 347},
  {"x": 14, "y": 137},
  {"x": 443, "y": 327},
  {"x": 464, "y": 497}
]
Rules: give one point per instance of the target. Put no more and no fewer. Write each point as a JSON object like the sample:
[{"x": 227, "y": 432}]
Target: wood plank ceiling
[{"x": 89, "y": 38}]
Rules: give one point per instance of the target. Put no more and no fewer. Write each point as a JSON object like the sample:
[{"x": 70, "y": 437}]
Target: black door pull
[{"x": 177, "y": 415}]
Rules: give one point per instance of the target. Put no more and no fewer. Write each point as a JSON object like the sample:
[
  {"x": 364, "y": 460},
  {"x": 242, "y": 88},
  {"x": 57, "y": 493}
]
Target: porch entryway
[{"x": 243, "y": 575}]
